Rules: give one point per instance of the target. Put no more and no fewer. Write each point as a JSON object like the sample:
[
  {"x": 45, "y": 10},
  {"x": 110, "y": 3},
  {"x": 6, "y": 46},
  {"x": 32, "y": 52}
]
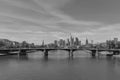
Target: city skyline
[{"x": 49, "y": 20}]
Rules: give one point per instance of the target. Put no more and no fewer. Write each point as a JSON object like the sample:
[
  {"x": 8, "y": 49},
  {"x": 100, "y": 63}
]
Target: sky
[{"x": 38, "y": 20}]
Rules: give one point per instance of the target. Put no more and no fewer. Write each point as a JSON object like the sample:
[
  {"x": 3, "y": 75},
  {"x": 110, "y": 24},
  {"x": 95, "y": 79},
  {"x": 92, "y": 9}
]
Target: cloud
[
  {"x": 35, "y": 20},
  {"x": 104, "y": 33}
]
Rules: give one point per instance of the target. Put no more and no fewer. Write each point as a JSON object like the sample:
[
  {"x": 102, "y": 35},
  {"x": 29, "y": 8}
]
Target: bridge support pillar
[
  {"x": 7, "y": 53},
  {"x": 97, "y": 53},
  {"x": 45, "y": 53},
  {"x": 109, "y": 55},
  {"x": 22, "y": 53},
  {"x": 93, "y": 54},
  {"x": 71, "y": 53},
  {"x": 116, "y": 52}
]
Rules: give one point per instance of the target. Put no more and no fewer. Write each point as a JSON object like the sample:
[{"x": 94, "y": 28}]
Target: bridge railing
[{"x": 55, "y": 48}]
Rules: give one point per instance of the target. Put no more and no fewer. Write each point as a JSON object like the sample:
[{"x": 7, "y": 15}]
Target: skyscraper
[
  {"x": 68, "y": 42},
  {"x": 71, "y": 41},
  {"x": 115, "y": 42},
  {"x": 76, "y": 41},
  {"x": 56, "y": 43},
  {"x": 87, "y": 42},
  {"x": 43, "y": 43}
]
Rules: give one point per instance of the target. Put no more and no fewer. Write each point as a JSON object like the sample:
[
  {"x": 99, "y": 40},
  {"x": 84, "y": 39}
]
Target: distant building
[
  {"x": 24, "y": 44},
  {"x": 43, "y": 43},
  {"x": 76, "y": 41},
  {"x": 80, "y": 43},
  {"x": 61, "y": 43},
  {"x": 116, "y": 42},
  {"x": 56, "y": 43},
  {"x": 87, "y": 42},
  {"x": 68, "y": 42},
  {"x": 71, "y": 41},
  {"x": 5, "y": 43}
]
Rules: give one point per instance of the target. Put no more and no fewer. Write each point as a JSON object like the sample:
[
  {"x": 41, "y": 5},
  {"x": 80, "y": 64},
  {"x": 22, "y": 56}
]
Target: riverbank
[{"x": 116, "y": 56}]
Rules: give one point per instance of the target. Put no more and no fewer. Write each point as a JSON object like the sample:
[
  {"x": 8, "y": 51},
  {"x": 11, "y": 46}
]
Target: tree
[{"x": 2, "y": 44}]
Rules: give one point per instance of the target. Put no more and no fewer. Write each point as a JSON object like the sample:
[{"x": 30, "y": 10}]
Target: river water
[{"x": 59, "y": 66}]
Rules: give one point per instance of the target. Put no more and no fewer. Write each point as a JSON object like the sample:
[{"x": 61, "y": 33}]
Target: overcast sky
[{"x": 37, "y": 20}]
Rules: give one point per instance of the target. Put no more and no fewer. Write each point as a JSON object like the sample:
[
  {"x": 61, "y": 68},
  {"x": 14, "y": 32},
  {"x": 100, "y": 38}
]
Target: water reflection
[
  {"x": 23, "y": 58},
  {"x": 59, "y": 66}
]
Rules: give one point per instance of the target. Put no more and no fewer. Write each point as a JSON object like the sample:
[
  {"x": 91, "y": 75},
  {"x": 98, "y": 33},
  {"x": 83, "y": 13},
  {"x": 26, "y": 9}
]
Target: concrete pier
[
  {"x": 45, "y": 53},
  {"x": 71, "y": 53},
  {"x": 93, "y": 54},
  {"x": 22, "y": 53},
  {"x": 116, "y": 52}
]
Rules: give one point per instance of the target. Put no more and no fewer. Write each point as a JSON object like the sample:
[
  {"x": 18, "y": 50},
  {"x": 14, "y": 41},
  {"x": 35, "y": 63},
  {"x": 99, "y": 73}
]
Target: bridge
[{"x": 93, "y": 51}]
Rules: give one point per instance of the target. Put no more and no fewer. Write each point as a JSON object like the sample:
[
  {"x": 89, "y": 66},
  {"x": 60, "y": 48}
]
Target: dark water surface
[{"x": 58, "y": 66}]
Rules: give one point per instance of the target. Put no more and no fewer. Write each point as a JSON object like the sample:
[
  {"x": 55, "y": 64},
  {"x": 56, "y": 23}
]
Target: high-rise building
[
  {"x": 92, "y": 41},
  {"x": 115, "y": 40},
  {"x": 43, "y": 43},
  {"x": 76, "y": 41},
  {"x": 61, "y": 42},
  {"x": 80, "y": 43},
  {"x": 64, "y": 43},
  {"x": 68, "y": 42},
  {"x": 71, "y": 41},
  {"x": 56, "y": 43},
  {"x": 87, "y": 42}
]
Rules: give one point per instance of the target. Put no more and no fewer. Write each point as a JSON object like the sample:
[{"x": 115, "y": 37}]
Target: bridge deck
[{"x": 91, "y": 49}]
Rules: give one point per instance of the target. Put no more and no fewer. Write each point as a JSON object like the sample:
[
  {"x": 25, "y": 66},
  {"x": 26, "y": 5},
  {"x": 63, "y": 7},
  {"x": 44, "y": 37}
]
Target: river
[{"x": 59, "y": 66}]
